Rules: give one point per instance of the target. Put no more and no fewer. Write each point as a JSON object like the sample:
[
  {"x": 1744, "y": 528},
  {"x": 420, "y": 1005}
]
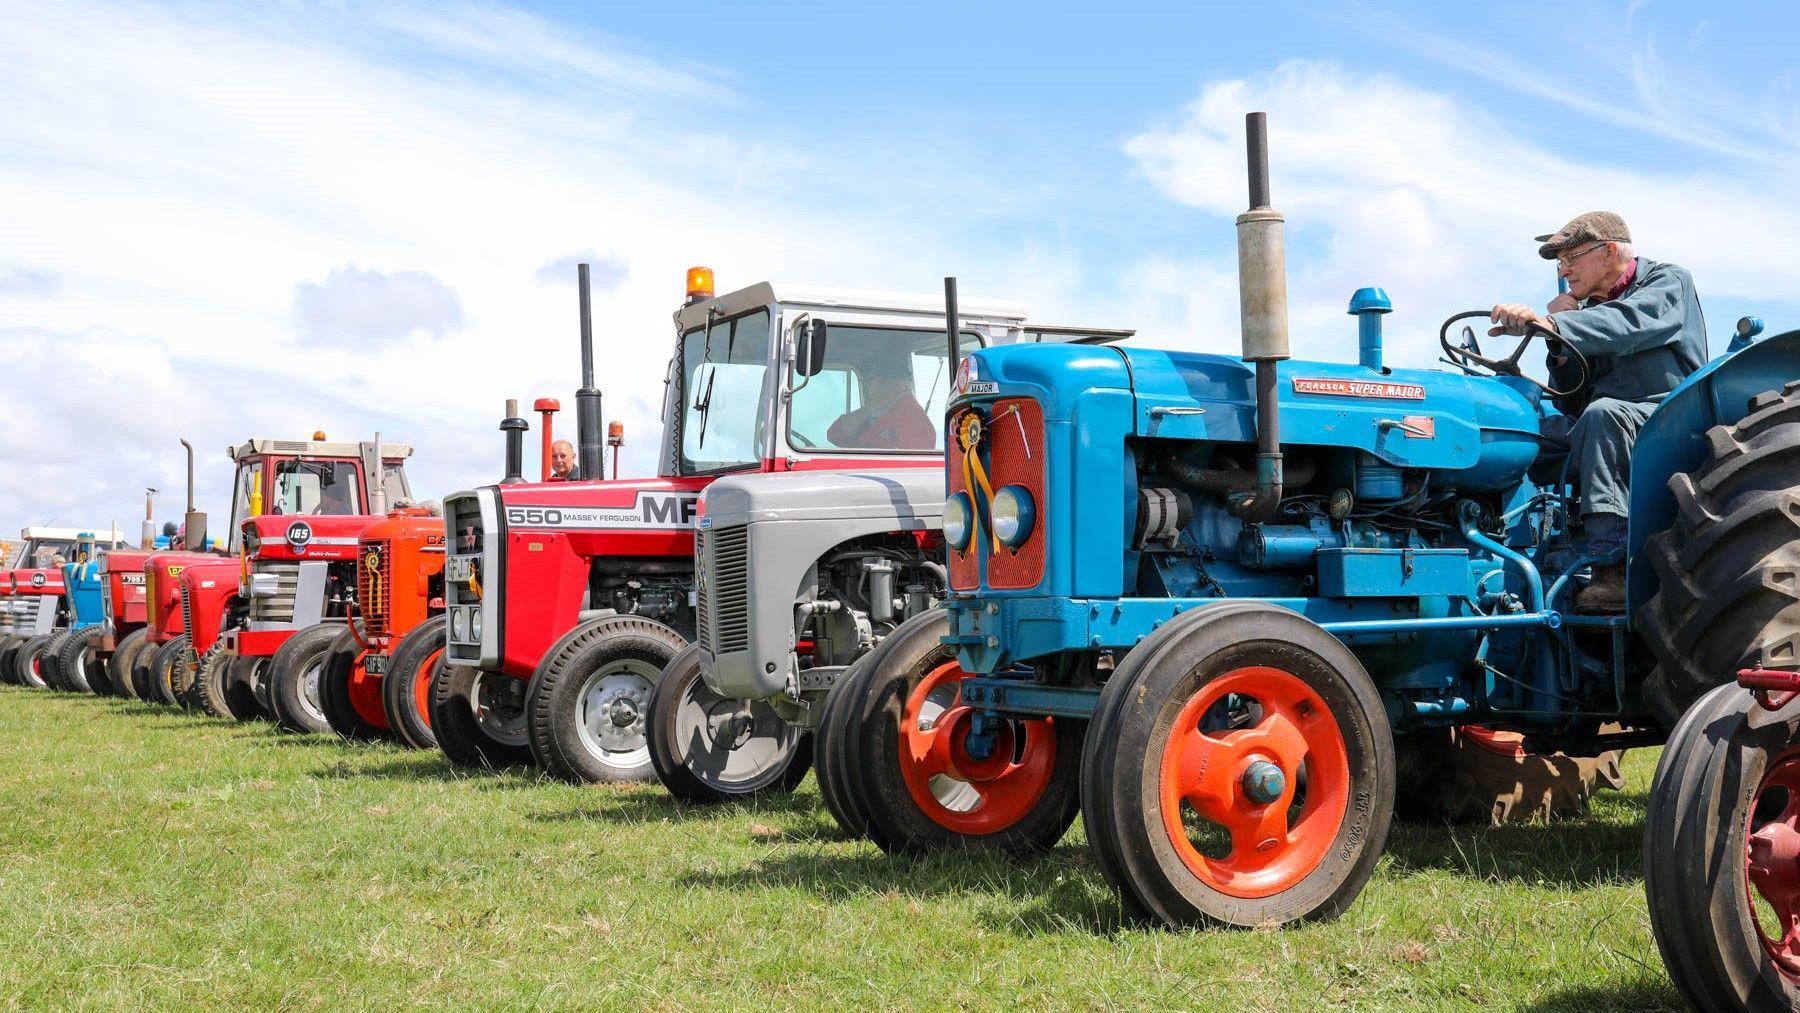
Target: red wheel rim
[
  {"x": 1270, "y": 849},
  {"x": 421, "y": 687},
  {"x": 365, "y": 694},
  {"x": 952, "y": 788},
  {"x": 1772, "y": 862}
]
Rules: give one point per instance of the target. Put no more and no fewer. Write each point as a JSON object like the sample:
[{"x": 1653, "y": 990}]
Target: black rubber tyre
[
  {"x": 1468, "y": 777},
  {"x": 588, "y": 700},
  {"x": 1315, "y": 697},
  {"x": 479, "y": 718},
  {"x": 415, "y": 660},
  {"x": 826, "y": 768},
  {"x": 243, "y": 678},
  {"x": 183, "y": 673},
  {"x": 334, "y": 692},
  {"x": 1729, "y": 565},
  {"x": 1024, "y": 801},
  {"x": 120, "y": 662},
  {"x": 9, "y": 645},
  {"x": 853, "y": 820},
  {"x": 211, "y": 674},
  {"x": 160, "y": 675},
  {"x": 140, "y": 671},
  {"x": 294, "y": 675},
  {"x": 28, "y": 664},
  {"x": 47, "y": 663},
  {"x": 78, "y": 662},
  {"x": 1707, "y": 795},
  {"x": 707, "y": 749}
]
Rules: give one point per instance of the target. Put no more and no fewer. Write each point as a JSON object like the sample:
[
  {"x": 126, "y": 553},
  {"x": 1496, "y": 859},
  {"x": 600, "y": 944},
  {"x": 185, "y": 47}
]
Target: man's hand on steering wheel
[{"x": 1517, "y": 319}]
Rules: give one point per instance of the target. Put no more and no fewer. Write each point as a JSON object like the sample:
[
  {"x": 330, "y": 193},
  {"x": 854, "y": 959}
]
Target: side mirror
[
  {"x": 811, "y": 338},
  {"x": 196, "y": 531}
]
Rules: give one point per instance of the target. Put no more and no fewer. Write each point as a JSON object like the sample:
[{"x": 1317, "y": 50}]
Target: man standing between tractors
[{"x": 1636, "y": 330}]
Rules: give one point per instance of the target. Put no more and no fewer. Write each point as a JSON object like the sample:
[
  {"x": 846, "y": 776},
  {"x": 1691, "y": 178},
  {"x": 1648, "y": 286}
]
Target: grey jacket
[{"x": 1642, "y": 344}]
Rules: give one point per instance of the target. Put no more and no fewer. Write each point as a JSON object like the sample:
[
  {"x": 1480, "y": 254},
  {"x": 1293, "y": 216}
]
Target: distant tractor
[
  {"x": 1211, "y": 603},
  {"x": 566, "y": 600},
  {"x": 263, "y": 633},
  {"x": 38, "y": 608}
]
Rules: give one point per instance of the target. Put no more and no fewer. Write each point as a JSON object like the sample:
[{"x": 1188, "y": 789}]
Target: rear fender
[{"x": 1674, "y": 439}]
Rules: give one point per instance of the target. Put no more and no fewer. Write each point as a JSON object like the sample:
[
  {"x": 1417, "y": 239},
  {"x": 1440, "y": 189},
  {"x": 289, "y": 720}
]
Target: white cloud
[
  {"x": 604, "y": 272},
  {"x": 1385, "y": 183},
  {"x": 357, "y": 309},
  {"x": 26, "y": 282}
]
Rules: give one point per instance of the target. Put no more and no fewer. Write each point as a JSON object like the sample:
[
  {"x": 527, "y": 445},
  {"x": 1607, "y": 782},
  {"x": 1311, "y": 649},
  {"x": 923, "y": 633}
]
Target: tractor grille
[
  {"x": 150, "y": 598},
  {"x": 279, "y": 607},
  {"x": 6, "y": 612},
  {"x": 373, "y": 580},
  {"x": 724, "y": 598},
  {"x": 187, "y": 612},
  {"x": 106, "y": 602}
]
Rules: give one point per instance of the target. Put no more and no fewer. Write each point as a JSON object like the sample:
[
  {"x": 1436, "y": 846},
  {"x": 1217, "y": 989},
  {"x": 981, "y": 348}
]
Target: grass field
[{"x": 151, "y": 857}]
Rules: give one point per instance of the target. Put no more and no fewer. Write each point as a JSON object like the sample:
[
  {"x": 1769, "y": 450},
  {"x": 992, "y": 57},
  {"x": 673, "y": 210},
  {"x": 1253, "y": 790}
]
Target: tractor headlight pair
[{"x": 1012, "y": 515}]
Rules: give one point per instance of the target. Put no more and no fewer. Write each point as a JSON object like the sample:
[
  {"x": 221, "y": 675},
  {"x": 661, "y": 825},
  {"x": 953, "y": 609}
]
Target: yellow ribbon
[{"x": 968, "y": 434}]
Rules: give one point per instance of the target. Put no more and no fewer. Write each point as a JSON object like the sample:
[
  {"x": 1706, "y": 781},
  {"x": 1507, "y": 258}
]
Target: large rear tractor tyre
[
  {"x": 1729, "y": 565},
  {"x": 47, "y": 666},
  {"x": 921, "y": 784},
  {"x": 587, "y": 702},
  {"x": 210, "y": 678},
  {"x": 479, "y": 718},
  {"x": 159, "y": 678},
  {"x": 1239, "y": 771},
  {"x": 349, "y": 696},
  {"x": 406, "y": 688},
  {"x": 9, "y": 645},
  {"x": 1720, "y": 836},
  {"x": 78, "y": 662},
  {"x": 1474, "y": 775},
  {"x": 28, "y": 662},
  {"x": 293, "y": 678},
  {"x": 708, "y": 748},
  {"x": 119, "y": 664}
]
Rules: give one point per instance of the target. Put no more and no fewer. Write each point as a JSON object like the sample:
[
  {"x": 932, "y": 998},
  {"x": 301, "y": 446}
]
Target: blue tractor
[{"x": 1226, "y": 608}]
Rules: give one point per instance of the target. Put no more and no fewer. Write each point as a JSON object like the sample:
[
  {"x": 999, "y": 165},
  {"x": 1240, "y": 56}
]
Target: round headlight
[
  {"x": 959, "y": 520},
  {"x": 475, "y": 626},
  {"x": 1013, "y": 513},
  {"x": 459, "y": 624}
]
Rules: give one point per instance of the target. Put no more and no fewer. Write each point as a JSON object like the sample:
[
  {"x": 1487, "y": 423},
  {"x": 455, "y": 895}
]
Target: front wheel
[
  {"x": 123, "y": 659},
  {"x": 47, "y": 664},
  {"x": 211, "y": 673},
  {"x": 28, "y": 662},
  {"x": 245, "y": 689},
  {"x": 349, "y": 696},
  {"x": 78, "y": 662},
  {"x": 159, "y": 675},
  {"x": 293, "y": 679},
  {"x": 920, "y": 776},
  {"x": 406, "y": 688},
  {"x": 9, "y": 645},
  {"x": 1239, "y": 771},
  {"x": 1722, "y": 855},
  {"x": 711, "y": 748},
  {"x": 586, "y": 703},
  {"x": 479, "y": 717}
]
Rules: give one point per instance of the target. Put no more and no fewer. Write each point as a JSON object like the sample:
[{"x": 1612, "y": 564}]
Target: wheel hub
[
  {"x": 1264, "y": 782},
  {"x": 614, "y": 701},
  {"x": 1772, "y": 860}
]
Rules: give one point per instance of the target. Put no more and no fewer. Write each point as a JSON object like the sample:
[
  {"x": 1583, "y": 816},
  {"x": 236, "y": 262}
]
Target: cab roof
[
  {"x": 765, "y": 292},
  {"x": 258, "y": 445}
]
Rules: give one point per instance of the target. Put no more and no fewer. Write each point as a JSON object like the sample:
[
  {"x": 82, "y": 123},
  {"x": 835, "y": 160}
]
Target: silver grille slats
[
  {"x": 279, "y": 607},
  {"x": 725, "y": 603}
]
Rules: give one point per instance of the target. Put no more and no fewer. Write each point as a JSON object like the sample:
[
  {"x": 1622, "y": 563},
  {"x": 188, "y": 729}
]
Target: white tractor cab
[{"x": 800, "y": 574}]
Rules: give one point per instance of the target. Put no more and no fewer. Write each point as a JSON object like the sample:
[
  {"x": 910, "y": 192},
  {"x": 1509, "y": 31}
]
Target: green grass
[{"x": 151, "y": 857}]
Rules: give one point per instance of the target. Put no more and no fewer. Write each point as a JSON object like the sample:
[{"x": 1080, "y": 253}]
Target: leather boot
[{"x": 1605, "y": 593}]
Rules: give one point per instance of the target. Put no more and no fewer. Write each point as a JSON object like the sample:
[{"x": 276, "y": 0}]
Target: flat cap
[{"x": 1592, "y": 227}]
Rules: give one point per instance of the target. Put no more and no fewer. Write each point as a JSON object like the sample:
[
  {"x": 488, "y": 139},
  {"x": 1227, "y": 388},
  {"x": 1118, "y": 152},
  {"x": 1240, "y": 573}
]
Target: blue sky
[{"x": 283, "y": 217}]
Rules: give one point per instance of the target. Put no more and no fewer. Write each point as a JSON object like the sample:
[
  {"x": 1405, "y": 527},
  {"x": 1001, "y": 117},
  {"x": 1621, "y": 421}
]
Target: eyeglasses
[{"x": 1570, "y": 261}]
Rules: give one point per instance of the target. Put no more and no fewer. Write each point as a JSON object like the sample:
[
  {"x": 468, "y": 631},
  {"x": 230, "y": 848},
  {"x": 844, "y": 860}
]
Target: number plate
[
  {"x": 459, "y": 568},
  {"x": 375, "y": 664}
]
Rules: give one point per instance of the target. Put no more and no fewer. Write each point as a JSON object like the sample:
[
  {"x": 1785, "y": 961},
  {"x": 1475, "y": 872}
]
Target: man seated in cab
[
  {"x": 891, "y": 417},
  {"x": 1637, "y": 324}
]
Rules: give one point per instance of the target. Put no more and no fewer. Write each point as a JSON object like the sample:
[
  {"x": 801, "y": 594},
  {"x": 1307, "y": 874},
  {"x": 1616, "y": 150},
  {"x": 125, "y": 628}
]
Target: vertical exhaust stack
[
  {"x": 378, "y": 503},
  {"x": 1262, "y": 301},
  {"x": 587, "y": 400},
  {"x": 195, "y": 520},
  {"x": 514, "y": 427},
  {"x": 147, "y": 538},
  {"x": 546, "y": 407}
]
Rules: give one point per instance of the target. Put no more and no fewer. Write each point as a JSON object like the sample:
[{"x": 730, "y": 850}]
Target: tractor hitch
[{"x": 1774, "y": 688}]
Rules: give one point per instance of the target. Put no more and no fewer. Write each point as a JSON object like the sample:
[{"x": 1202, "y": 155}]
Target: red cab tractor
[
  {"x": 264, "y": 635},
  {"x": 566, "y": 600}
]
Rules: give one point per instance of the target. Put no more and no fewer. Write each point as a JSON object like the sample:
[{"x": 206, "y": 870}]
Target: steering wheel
[
  {"x": 1464, "y": 355},
  {"x": 800, "y": 441}
]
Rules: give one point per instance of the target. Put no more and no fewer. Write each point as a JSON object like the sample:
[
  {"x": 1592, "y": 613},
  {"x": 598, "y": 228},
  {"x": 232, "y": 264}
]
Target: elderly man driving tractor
[{"x": 1628, "y": 330}]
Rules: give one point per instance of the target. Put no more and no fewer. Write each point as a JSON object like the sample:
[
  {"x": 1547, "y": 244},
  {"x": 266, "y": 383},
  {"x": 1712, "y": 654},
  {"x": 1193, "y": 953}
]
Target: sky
[{"x": 219, "y": 221}]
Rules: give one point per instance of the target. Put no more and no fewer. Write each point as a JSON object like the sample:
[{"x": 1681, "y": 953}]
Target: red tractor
[
  {"x": 400, "y": 602},
  {"x": 566, "y": 600},
  {"x": 262, "y": 632}
]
